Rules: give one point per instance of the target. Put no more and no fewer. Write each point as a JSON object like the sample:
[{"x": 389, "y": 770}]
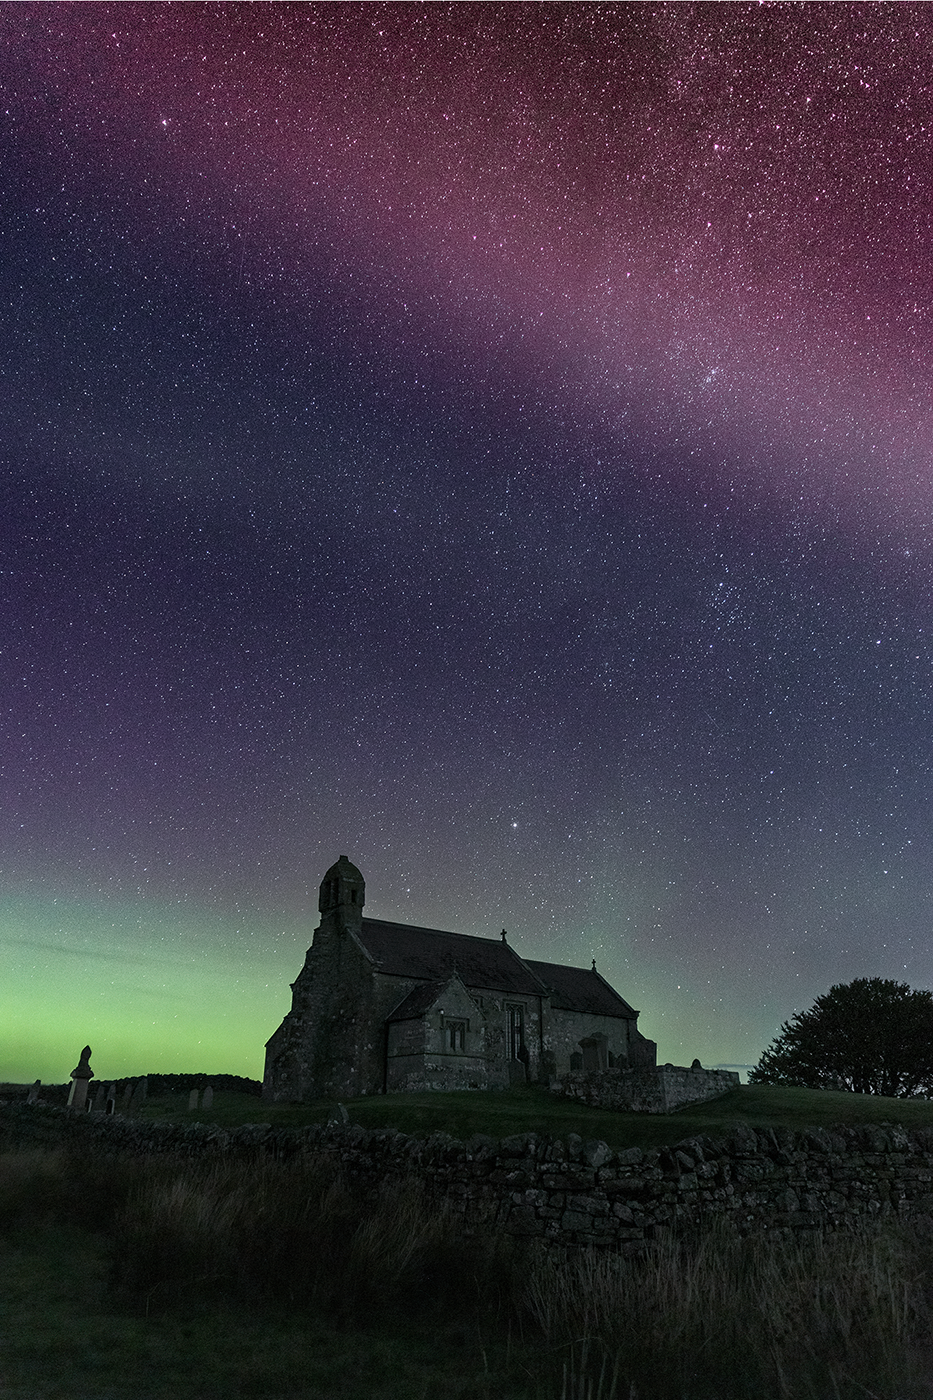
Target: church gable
[{"x": 436, "y": 1039}]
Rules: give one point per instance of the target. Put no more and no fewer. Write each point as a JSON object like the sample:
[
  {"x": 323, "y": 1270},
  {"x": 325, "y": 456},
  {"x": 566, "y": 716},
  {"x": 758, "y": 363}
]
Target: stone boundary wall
[
  {"x": 650, "y": 1089},
  {"x": 567, "y": 1191}
]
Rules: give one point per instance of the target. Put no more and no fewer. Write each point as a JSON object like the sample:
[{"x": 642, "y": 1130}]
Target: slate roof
[
  {"x": 579, "y": 989},
  {"x": 431, "y": 955},
  {"x": 418, "y": 1001}
]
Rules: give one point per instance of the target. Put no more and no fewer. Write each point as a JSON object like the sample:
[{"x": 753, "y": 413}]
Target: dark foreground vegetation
[{"x": 157, "y": 1278}]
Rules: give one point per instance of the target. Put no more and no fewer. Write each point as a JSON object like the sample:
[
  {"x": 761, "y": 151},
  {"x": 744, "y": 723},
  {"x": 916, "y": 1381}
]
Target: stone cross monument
[{"x": 81, "y": 1077}]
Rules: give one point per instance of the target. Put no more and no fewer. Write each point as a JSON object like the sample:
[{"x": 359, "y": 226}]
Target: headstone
[
  {"x": 110, "y": 1099},
  {"x": 595, "y": 1052},
  {"x": 344, "y": 1115},
  {"x": 33, "y": 1095},
  {"x": 100, "y": 1096},
  {"x": 126, "y": 1096},
  {"x": 140, "y": 1090},
  {"x": 81, "y": 1076},
  {"x": 207, "y": 1098},
  {"x": 576, "y": 1061},
  {"x": 192, "y": 1100}
]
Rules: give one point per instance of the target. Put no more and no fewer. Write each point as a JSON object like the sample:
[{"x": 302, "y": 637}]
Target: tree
[{"x": 871, "y": 1036}]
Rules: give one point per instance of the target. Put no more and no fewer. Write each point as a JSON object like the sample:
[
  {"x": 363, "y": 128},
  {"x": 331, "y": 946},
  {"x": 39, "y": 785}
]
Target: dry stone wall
[
  {"x": 651, "y": 1089},
  {"x": 570, "y": 1191}
]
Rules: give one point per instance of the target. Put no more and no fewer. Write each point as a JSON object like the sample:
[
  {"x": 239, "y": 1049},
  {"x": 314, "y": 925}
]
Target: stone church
[{"x": 381, "y": 1007}]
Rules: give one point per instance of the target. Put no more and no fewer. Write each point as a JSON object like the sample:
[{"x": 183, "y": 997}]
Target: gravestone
[
  {"x": 33, "y": 1095},
  {"x": 207, "y": 1098},
  {"x": 140, "y": 1090},
  {"x": 110, "y": 1099},
  {"x": 81, "y": 1076},
  {"x": 192, "y": 1100},
  {"x": 100, "y": 1096},
  {"x": 595, "y": 1052},
  {"x": 127, "y": 1096}
]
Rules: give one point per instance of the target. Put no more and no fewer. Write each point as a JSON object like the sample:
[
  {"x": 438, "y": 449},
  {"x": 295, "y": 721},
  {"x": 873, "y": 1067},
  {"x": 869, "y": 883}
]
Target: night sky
[{"x": 490, "y": 441}]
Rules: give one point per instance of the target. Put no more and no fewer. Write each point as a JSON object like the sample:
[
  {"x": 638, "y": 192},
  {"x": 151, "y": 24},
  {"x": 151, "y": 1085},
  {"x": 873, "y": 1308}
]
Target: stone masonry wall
[
  {"x": 571, "y": 1192},
  {"x": 648, "y": 1090}
]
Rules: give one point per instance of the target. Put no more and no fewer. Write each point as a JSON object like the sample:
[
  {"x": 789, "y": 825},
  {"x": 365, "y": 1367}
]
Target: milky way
[{"x": 493, "y": 441}]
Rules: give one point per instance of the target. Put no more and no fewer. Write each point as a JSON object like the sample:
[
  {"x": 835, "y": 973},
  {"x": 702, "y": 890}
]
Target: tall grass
[
  {"x": 820, "y": 1316},
  {"x": 42, "y": 1186},
  {"x": 297, "y": 1234},
  {"x": 710, "y": 1316},
  {"x": 769, "y": 1317}
]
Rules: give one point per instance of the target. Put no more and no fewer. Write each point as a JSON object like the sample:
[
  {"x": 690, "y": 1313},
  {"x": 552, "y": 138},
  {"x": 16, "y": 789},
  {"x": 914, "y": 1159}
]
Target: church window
[
  {"x": 456, "y": 1036},
  {"x": 516, "y": 1021}
]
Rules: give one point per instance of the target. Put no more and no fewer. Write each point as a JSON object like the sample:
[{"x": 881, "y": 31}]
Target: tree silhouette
[{"x": 871, "y": 1036}]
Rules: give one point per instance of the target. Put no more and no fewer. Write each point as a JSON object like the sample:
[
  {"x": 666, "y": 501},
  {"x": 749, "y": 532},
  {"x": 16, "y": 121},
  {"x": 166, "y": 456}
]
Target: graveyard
[{"x": 228, "y": 1101}]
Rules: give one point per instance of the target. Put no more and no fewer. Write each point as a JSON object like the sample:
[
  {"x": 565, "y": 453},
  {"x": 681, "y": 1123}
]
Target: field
[{"x": 153, "y": 1279}]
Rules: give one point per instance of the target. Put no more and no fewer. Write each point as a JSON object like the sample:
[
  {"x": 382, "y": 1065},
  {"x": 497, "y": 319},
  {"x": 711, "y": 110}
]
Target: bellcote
[{"x": 343, "y": 890}]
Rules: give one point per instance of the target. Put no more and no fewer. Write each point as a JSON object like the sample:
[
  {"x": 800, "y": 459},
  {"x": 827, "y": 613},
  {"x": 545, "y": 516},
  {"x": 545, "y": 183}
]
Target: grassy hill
[{"x": 532, "y": 1109}]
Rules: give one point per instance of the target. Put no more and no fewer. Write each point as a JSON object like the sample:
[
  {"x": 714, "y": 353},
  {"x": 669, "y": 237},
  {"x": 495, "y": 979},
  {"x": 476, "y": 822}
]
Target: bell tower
[{"x": 343, "y": 890}]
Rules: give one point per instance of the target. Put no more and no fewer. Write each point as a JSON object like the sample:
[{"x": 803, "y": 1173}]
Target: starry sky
[{"x": 491, "y": 441}]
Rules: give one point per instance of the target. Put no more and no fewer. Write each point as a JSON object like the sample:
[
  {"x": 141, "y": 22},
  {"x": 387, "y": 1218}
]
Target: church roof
[
  {"x": 417, "y": 1002},
  {"x": 580, "y": 989},
  {"x": 431, "y": 955}
]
